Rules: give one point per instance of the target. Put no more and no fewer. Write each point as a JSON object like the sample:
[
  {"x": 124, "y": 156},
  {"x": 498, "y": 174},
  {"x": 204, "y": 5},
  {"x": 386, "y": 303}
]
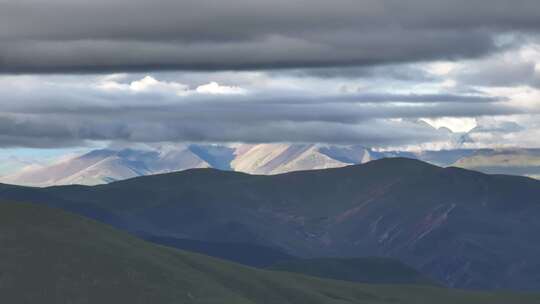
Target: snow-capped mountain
[
  {"x": 104, "y": 166},
  {"x": 281, "y": 158},
  {"x": 107, "y": 165}
]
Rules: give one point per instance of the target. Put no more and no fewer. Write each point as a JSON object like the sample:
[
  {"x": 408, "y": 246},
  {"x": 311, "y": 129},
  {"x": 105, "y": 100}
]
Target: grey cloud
[
  {"x": 62, "y": 118},
  {"x": 498, "y": 127},
  {"x": 136, "y": 35},
  {"x": 77, "y": 130},
  {"x": 266, "y": 52},
  {"x": 500, "y": 73},
  {"x": 17, "y": 131},
  {"x": 386, "y": 72},
  {"x": 89, "y": 100}
]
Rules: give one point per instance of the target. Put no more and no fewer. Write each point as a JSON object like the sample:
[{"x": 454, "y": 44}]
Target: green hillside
[
  {"x": 363, "y": 270},
  {"x": 50, "y": 256}
]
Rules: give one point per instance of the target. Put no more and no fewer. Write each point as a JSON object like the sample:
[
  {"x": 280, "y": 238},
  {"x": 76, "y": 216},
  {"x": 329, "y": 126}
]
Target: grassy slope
[
  {"x": 242, "y": 253},
  {"x": 369, "y": 270},
  {"x": 50, "y": 256},
  {"x": 364, "y": 270}
]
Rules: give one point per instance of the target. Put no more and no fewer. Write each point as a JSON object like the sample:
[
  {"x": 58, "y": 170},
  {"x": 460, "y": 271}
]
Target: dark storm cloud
[
  {"x": 120, "y": 35},
  {"x": 266, "y": 52},
  {"x": 93, "y": 103}
]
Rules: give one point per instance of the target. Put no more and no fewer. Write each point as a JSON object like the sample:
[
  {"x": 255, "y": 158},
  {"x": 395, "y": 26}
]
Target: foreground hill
[
  {"x": 362, "y": 270},
  {"x": 243, "y": 253},
  {"x": 49, "y": 256},
  {"x": 462, "y": 228}
]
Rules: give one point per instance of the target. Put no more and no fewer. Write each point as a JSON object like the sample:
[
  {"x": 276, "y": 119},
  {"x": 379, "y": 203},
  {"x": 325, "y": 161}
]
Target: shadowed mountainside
[
  {"x": 462, "y": 228},
  {"x": 362, "y": 270},
  {"x": 50, "y": 256},
  {"x": 244, "y": 253}
]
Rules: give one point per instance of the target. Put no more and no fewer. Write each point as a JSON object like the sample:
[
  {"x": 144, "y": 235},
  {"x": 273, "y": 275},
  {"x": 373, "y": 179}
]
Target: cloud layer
[
  {"x": 113, "y": 108},
  {"x": 368, "y": 72},
  {"x": 120, "y": 35}
]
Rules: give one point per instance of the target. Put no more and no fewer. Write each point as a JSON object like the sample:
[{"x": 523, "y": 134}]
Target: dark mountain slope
[
  {"x": 244, "y": 253},
  {"x": 361, "y": 270},
  {"x": 463, "y": 228},
  {"x": 49, "y": 256}
]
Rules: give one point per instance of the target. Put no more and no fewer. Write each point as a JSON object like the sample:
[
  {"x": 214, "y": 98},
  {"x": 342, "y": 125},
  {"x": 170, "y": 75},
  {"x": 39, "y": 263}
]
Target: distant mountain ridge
[
  {"x": 107, "y": 165},
  {"x": 504, "y": 161},
  {"x": 104, "y": 166}
]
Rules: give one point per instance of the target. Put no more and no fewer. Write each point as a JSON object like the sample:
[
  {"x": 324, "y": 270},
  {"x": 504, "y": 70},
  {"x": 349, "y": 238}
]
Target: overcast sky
[{"x": 380, "y": 73}]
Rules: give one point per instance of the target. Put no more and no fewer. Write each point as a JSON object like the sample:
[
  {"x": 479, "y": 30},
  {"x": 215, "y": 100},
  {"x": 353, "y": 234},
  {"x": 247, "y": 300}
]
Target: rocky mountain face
[{"x": 463, "y": 228}]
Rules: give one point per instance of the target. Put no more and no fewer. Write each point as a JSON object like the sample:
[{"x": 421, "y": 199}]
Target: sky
[{"x": 388, "y": 74}]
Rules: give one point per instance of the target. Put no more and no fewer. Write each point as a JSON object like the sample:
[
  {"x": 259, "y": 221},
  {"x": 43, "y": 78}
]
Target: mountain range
[
  {"x": 462, "y": 228},
  {"x": 103, "y": 166},
  {"x": 506, "y": 161},
  {"x": 107, "y": 165},
  {"x": 51, "y": 256}
]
